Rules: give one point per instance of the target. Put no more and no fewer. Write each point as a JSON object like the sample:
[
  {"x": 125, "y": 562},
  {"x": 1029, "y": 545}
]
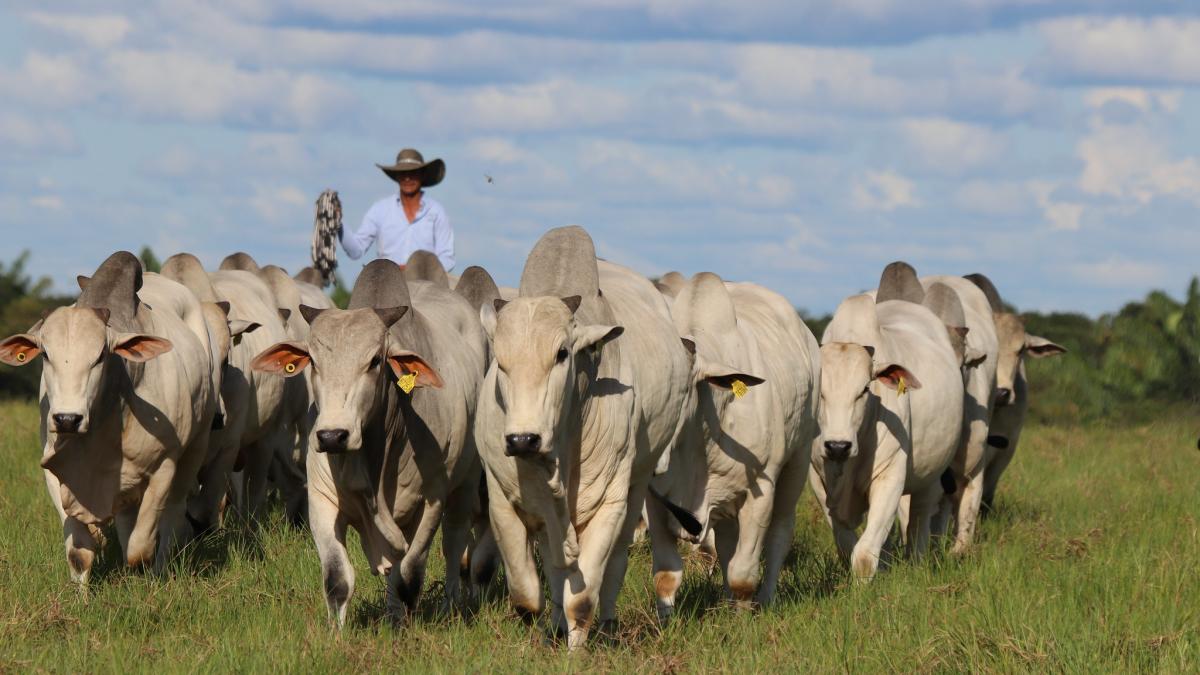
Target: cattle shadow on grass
[{"x": 205, "y": 556}]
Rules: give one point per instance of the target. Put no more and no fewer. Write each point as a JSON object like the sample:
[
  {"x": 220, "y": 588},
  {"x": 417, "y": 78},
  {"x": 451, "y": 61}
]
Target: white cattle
[
  {"x": 255, "y": 429},
  {"x": 1012, "y": 389},
  {"x": 127, "y": 402},
  {"x": 891, "y": 419},
  {"x": 396, "y": 379},
  {"x": 572, "y": 423},
  {"x": 742, "y": 459},
  {"x": 971, "y": 460}
]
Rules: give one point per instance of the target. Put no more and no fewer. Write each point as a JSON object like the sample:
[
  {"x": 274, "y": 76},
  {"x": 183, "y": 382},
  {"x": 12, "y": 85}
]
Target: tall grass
[{"x": 1089, "y": 564}]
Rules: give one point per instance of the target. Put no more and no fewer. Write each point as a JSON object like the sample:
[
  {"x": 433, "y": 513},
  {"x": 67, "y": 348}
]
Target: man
[{"x": 410, "y": 221}]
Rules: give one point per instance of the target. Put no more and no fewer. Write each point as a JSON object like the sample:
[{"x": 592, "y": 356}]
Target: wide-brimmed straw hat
[{"x": 409, "y": 160}]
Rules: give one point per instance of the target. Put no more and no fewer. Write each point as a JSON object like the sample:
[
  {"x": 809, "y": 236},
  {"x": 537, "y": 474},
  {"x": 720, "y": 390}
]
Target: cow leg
[
  {"x": 258, "y": 466},
  {"x": 329, "y": 534},
  {"x": 917, "y": 527},
  {"x": 123, "y": 522},
  {"x": 668, "y": 564},
  {"x": 788, "y": 489},
  {"x": 406, "y": 578},
  {"x": 81, "y": 550},
  {"x": 144, "y": 538},
  {"x": 520, "y": 571},
  {"x": 884, "y": 499},
  {"x": 968, "y": 513},
  {"x": 456, "y": 528},
  {"x": 614, "y": 571},
  {"x": 742, "y": 572},
  {"x": 581, "y": 593},
  {"x": 174, "y": 527},
  {"x": 290, "y": 478},
  {"x": 484, "y": 556}
]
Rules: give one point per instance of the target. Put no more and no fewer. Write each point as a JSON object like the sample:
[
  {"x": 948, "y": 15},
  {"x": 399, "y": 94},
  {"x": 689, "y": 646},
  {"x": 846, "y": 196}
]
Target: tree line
[{"x": 1128, "y": 365}]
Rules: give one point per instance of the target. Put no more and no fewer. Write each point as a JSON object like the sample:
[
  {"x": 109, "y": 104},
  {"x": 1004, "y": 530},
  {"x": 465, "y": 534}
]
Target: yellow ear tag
[
  {"x": 289, "y": 368},
  {"x": 21, "y": 357},
  {"x": 902, "y": 387},
  {"x": 407, "y": 382},
  {"x": 739, "y": 388}
]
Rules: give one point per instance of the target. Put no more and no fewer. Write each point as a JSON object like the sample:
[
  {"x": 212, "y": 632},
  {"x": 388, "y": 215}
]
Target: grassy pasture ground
[{"x": 1091, "y": 563}]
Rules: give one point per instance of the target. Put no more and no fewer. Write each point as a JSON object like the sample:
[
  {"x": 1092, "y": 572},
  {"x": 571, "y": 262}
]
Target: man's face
[{"x": 410, "y": 183}]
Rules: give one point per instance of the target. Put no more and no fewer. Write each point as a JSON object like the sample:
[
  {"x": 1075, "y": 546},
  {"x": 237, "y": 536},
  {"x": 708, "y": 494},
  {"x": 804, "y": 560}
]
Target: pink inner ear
[
  {"x": 17, "y": 345},
  {"x": 891, "y": 375},
  {"x": 142, "y": 348},
  {"x": 410, "y": 363}
]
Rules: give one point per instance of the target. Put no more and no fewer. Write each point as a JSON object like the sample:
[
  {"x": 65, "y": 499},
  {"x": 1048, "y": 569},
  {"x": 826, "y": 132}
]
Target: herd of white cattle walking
[{"x": 554, "y": 416}]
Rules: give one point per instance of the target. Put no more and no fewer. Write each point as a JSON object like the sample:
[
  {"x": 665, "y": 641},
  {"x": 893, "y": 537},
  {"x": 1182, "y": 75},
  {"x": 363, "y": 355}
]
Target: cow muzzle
[
  {"x": 837, "y": 451},
  {"x": 333, "y": 440},
  {"x": 522, "y": 445},
  {"x": 68, "y": 423},
  {"x": 1004, "y": 396}
]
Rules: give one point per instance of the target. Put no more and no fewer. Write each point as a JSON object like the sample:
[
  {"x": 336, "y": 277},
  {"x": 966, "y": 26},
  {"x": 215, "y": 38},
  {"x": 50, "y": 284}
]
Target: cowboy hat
[{"x": 409, "y": 160}]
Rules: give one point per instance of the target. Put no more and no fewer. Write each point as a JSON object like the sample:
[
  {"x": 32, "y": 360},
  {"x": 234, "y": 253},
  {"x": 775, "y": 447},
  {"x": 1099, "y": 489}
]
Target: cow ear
[
  {"x": 596, "y": 335},
  {"x": 238, "y": 327},
  {"x": 285, "y": 313},
  {"x": 487, "y": 317},
  {"x": 961, "y": 330},
  {"x": 1039, "y": 347},
  {"x": 20, "y": 349},
  {"x": 974, "y": 357},
  {"x": 390, "y": 315},
  {"x": 283, "y": 358},
  {"x": 890, "y": 375},
  {"x": 140, "y": 348},
  {"x": 689, "y": 344},
  {"x": 724, "y": 377},
  {"x": 870, "y": 350},
  {"x": 82, "y": 280},
  {"x": 223, "y": 305},
  {"x": 572, "y": 302},
  {"x": 406, "y": 363},
  {"x": 310, "y": 314},
  {"x": 499, "y": 303}
]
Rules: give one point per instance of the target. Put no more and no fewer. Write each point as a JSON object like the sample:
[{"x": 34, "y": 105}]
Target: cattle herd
[{"x": 550, "y": 418}]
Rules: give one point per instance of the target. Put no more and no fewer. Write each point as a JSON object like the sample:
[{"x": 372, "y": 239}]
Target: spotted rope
[{"x": 327, "y": 228}]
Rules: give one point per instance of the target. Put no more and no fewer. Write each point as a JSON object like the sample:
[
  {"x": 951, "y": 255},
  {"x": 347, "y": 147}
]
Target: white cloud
[
  {"x": 1145, "y": 100},
  {"x": 949, "y": 146},
  {"x": 48, "y": 202},
  {"x": 194, "y": 88},
  {"x": 278, "y": 203},
  {"x": 1129, "y": 162},
  {"x": 49, "y": 80},
  {"x": 101, "y": 31},
  {"x": 883, "y": 191},
  {"x": 496, "y": 150},
  {"x": 994, "y": 198},
  {"x": 19, "y": 133},
  {"x": 1123, "y": 49},
  {"x": 543, "y": 106},
  {"x": 1118, "y": 272}
]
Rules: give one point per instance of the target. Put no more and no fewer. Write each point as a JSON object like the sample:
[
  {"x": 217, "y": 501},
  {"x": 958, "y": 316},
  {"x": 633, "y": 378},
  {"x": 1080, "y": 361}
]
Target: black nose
[
  {"x": 67, "y": 422},
  {"x": 522, "y": 444},
  {"x": 1002, "y": 396},
  {"x": 332, "y": 440},
  {"x": 837, "y": 451},
  {"x": 218, "y": 421}
]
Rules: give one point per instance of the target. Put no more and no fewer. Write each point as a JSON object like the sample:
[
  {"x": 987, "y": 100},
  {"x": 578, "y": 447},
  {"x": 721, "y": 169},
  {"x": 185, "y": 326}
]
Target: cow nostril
[
  {"x": 522, "y": 444},
  {"x": 1002, "y": 396},
  {"x": 837, "y": 450},
  {"x": 332, "y": 440},
  {"x": 67, "y": 422},
  {"x": 218, "y": 421}
]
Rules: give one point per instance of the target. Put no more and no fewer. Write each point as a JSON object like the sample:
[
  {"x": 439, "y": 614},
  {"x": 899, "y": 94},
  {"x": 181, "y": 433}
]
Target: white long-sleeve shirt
[{"x": 397, "y": 238}]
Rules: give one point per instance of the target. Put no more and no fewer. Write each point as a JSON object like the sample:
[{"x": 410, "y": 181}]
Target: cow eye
[
  {"x": 561, "y": 355},
  {"x": 376, "y": 361}
]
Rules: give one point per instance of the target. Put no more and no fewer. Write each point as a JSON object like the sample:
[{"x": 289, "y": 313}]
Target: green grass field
[{"x": 1091, "y": 563}]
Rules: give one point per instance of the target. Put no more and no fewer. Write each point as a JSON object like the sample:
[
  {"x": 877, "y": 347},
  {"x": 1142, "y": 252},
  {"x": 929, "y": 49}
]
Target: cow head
[
  {"x": 848, "y": 374},
  {"x": 717, "y": 383},
  {"x": 1015, "y": 345},
  {"x": 354, "y": 358},
  {"x": 76, "y": 345},
  {"x": 542, "y": 357}
]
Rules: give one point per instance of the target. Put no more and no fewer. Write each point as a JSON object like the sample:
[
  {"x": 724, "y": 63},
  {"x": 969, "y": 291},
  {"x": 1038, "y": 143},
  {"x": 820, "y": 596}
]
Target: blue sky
[{"x": 800, "y": 144}]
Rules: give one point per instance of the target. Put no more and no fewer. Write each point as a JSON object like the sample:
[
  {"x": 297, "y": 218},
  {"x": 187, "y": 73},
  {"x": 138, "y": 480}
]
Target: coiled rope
[{"x": 327, "y": 228}]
